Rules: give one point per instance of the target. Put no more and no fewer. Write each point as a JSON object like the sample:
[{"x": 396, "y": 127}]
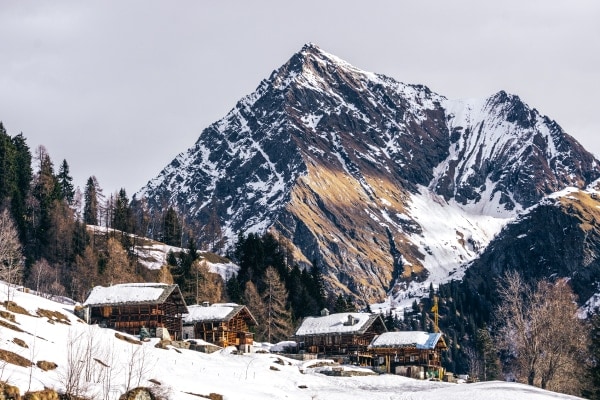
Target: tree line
[{"x": 48, "y": 242}]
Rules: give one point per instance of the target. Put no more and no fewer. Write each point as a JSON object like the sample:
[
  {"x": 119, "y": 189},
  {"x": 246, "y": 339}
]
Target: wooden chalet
[
  {"x": 414, "y": 354},
  {"x": 225, "y": 325},
  {"x": 129, "y": 307},
  {"x": 341, "y": 334}
]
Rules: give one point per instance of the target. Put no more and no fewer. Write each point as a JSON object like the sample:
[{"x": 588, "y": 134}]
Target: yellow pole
[{"x": 434, "y": 310}]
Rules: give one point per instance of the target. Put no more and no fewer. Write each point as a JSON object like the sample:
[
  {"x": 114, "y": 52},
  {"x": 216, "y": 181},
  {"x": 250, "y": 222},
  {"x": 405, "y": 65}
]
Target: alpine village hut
[
  {"x": 341, "y": 334},
  {"x": 414, "y": 354},
  {"x": 223, "y": 324},
  {"x": 129, "y": 307}
]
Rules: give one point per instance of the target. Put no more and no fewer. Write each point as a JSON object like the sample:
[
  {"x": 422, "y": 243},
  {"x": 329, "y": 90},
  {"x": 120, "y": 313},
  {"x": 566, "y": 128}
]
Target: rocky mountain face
[
  {"x": 559, "y": 237},
  {"x": 386, "y": 186}
]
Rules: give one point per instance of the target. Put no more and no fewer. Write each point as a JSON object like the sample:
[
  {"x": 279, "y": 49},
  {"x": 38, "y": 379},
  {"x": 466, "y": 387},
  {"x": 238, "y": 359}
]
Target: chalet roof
[
  {"x": 417, "y": 339},
  {"x": 337, "y": 323},
  {"x": 134, "y": 293},
  {"x": 218, "y": 312}
]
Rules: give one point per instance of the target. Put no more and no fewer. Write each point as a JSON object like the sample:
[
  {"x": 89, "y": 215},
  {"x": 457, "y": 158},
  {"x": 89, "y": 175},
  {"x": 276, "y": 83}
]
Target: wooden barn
[
  {"x": 414, "y": 354},
  {"x": 342, "y": 334},
  {"x": 225, "y": 325},
  {"x": 129, "y": 307}
]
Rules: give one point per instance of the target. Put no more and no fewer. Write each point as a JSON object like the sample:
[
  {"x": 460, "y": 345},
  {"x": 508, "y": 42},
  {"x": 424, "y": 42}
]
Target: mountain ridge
[{"x": 334, "y": 160}]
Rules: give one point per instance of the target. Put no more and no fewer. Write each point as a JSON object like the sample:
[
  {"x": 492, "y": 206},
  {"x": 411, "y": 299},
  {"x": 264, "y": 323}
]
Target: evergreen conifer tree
[
  {"x": 24, "y": 176},
  {"x": 122, "y": 216},
  {"x": 171, "y": 228},
  {"x": 65, "y": 182},
  {"x": 90, "y": 208},
  {"x": 488, "y": 354},
  {"x": 7, "y": 165},
  {"x": 340, "y": 304}
]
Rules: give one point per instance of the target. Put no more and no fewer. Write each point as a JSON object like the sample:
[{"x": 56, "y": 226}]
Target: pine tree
[
  {"x": 171, "y": 228},
  {"x": 65, "y": 182},
  {"x": 24, "y": 176},
  {"x": 46, "y": 192},
  {"x": 90, "y": 208},
  {"x": 7, "y": 165},
  {"x": 488, "y": 354},
  {"x": 340, "y": 304},
  {"x": 234, "y": 290},
  {"x": 278, "y": 319},
  {"x": 593, "y": 389},
  {"x": 317, "y": 286},
  {"x": 122, "y": 217}
]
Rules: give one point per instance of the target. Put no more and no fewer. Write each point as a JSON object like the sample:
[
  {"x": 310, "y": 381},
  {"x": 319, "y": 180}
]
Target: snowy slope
[{"x": 187, "y": 374}]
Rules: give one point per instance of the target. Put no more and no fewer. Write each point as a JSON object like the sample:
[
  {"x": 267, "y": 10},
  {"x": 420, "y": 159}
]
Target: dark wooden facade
[
  {"x": 339, "y": 338},
  {"x": 130, "y": 316},
  {"x": 230, "y": 327},
  {"x": 412, "y": 359}
]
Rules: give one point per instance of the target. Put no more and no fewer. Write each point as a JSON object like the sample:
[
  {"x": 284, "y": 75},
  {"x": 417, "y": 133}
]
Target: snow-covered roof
[
  {"x": 337, "y": 323},
  {"x": 134, "y": 293},
  {"x": 418, "y": 339},
  {"x": 219, "y": 312}
]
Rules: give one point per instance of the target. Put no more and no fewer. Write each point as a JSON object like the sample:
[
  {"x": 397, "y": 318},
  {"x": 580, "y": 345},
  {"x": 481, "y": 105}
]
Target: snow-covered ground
[{"x": 182, "y": 372}]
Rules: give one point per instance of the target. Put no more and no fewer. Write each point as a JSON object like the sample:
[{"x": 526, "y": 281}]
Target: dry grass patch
[
  {"x": 54, "y": 316},
  {"x": 14, "y": 307},
  {"x": 9, "y": 392},
  {"x": 10, "y": 326},
  {"x": 14, "y": 358},
  {"x": 7, "y": 315},
  {"x": 20, "y": 342},
  {"x": 46, "y": 365},
  {"x": 46, "y": 394},
  {"x": 127, "y": 338}
]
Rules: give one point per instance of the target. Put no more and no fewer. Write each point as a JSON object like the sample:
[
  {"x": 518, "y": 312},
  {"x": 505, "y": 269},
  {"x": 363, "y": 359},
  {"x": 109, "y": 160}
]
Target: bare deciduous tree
[
  {"x": 278, "y": 318},
  {"x": 538, "y": 326},
  {"x": 41, "y": 277},
  {"x": 209, "y": 286},
  {"x": 256, "y": 306},
  {"x": 11, "y": 258},
  {"x": 117, "y": 269},
  {"x": 137, "y": 367}
]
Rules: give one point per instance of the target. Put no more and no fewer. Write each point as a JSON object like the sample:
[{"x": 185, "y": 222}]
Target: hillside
[
  {"x": 152, "y": 254},
  {"x": 50, "y": 332}
]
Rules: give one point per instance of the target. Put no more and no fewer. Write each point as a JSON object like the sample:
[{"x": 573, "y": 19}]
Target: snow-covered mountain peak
[
  {"x": 314, "y": 68},
  {"x": 337, "y": 160}
]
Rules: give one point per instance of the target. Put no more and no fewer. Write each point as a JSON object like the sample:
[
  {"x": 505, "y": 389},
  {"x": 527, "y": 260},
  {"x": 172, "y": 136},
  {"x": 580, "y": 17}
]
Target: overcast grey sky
[{"x": 119, "y": 88}]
